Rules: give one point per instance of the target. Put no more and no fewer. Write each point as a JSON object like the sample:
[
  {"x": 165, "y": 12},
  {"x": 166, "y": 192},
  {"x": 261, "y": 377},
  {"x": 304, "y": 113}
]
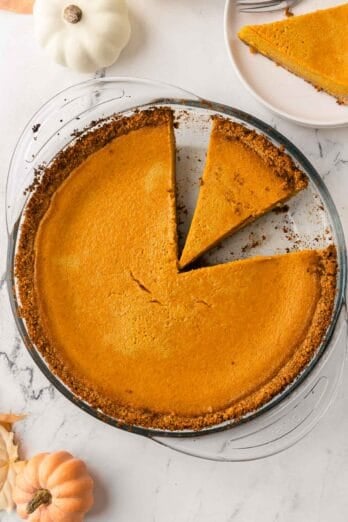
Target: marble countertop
[{"x": 181, "y": 43}]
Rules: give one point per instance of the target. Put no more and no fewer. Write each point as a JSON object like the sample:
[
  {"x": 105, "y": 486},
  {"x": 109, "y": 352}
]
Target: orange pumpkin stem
[
  {"x": 72, "y": 14},
  {"x": 41, "y": 497}
]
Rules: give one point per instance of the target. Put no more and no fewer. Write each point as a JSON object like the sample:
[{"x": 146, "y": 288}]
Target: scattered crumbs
[
  {"x": 76, "y": 133},
  {"x": 38, "y": 173},
  {"x": 253, "y": 244},
  {"x": 288, "y": 12},
  {"x": 176, "y": 124},
  {"x": 183, "y": 115},
  {"x": 60, "y": 121},
  {"x": 281, "y": 210},
  {"x": 36, "y": 127}
]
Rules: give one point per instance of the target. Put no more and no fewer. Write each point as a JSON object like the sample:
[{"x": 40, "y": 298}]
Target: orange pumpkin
[{"x": 53, "y": 487}]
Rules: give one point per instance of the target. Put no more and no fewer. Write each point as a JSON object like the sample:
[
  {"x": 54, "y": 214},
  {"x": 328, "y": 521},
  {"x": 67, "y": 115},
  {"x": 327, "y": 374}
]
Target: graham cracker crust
[
  {"x": 49, "y": 178},
  {"x": 282, "y": 164}
]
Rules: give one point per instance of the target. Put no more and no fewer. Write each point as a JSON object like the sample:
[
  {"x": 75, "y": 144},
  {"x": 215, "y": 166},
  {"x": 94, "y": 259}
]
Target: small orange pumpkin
[{"x": 53, "y": 487}]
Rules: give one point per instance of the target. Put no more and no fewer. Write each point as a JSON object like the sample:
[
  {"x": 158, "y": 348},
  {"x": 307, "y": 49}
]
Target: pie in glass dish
[{"x": 108, "y": 306}]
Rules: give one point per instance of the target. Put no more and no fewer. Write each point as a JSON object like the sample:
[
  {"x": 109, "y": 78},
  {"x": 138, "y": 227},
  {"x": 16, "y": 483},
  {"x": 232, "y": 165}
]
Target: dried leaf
[
  {"x": 17, "y": 6},
  {"x": 7, "y": 419},
  {"x": 10, "y": 466}
]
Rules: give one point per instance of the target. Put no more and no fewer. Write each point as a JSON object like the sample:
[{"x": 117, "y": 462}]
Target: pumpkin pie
[
  {"x": 313, "y": 46},
  {"x": 107, "y": 307},
  {"x": 245, "y": 176}
]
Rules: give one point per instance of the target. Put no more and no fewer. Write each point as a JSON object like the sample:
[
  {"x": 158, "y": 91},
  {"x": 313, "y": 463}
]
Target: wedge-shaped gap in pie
[{"x": 244, "y": 177}]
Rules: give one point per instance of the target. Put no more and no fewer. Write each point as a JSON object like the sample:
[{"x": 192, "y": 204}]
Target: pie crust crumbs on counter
[{"x": 106, "y": 306}]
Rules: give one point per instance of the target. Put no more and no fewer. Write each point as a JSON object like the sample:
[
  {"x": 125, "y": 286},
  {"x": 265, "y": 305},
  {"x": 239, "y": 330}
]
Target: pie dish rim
[{"x": 227, "y": 424}]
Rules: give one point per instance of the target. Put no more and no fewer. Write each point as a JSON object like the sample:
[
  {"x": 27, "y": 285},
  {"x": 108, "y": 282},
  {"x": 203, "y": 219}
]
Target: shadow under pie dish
[{"x": 116, "y": 320}]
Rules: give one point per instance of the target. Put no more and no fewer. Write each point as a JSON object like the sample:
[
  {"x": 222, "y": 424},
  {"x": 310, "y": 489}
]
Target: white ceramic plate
[{"x": 279, "y": 90}]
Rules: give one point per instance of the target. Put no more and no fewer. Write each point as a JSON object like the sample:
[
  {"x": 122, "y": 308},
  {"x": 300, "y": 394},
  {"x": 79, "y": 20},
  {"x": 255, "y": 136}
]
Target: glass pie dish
[{"x": 309, "y": 220}]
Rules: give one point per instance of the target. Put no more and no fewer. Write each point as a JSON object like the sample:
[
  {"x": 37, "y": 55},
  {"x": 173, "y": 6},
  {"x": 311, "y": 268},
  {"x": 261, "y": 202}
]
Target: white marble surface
[{"x": 182, "y": 43}]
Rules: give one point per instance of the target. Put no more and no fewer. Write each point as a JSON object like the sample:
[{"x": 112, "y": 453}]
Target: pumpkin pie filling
[
  {"x": 245, "y": 176},
  {"x": 105, "y": 304},
  {"x": 314, "y": 46}
]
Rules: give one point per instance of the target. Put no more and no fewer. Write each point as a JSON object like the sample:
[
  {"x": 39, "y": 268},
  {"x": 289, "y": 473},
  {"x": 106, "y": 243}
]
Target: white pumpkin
[{"x": 85, "y": 35}]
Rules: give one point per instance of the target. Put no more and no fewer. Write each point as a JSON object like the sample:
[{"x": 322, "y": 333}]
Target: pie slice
[
  {"x": 313, "y": 46},
  {"x": 117, "y": 322},
  {"x": 245, "y": 176}
]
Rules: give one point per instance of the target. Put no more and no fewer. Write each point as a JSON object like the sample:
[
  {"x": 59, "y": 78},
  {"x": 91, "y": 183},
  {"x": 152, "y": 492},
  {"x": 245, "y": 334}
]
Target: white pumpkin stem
[
  {"x": 72, "y": 14},
  {"x": 41, "y": 497}
]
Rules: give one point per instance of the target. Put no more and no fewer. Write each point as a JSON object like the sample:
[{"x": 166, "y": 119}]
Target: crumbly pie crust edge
[{"x": 49, "y": 178}]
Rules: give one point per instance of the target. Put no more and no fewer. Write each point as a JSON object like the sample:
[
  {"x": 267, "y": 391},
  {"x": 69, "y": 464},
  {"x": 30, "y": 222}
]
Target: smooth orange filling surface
[
  {"x": 313, "y": 46},
  {"x": 122, "y": 317}
]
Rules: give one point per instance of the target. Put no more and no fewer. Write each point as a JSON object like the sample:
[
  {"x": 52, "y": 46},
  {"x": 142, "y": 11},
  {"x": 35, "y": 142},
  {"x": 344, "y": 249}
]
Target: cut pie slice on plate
[
  {"x": 313, "y": 46},
  {"x": 245, "y": 176}
]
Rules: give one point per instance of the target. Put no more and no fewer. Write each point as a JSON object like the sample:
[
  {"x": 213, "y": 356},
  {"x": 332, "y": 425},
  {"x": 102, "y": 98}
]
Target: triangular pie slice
[
  {"x": 313, "y": 46},
  {"x": 245, "y": 176}
]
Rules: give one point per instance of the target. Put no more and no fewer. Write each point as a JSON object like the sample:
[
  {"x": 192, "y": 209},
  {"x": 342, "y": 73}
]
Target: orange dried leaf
[
  {"x": 10, "y": 466},
  {"x": 7, "y": 419},
  {"x": 17, "y": 6}
]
